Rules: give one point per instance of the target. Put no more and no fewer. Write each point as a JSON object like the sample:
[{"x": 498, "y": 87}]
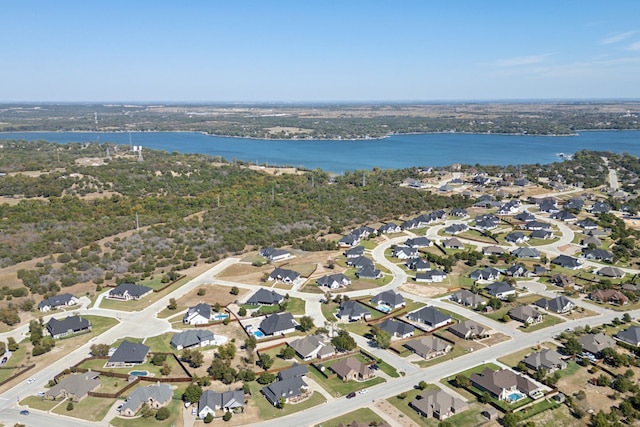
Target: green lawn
[
  {"x": 168, "y": 313},
  {"x": 268, "y": 411},
  {"x": 161, "y": 343},
  {"x": 329, "y": 310},
  {"x": 36, "y": 402},
  {"x": 89, "y": 408},
  {"x": 296, "y": 306},
  {"x": 279, "y": 362},
  {"x": 363, "y": 415},
  {"x": 358, "y": 328},
  {"x": 403, "y": 405},
  {"x": 537, "y": 408},
  {"x": 548, "y": 321},
  {"x": 337, "y": 387},
  {"x": 388, "y": 369}
]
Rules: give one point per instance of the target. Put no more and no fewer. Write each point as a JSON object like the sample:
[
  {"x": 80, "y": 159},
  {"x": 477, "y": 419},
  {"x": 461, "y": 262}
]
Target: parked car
[
  {"x": 194, "y": 411},
  {"x": 41, "y": 394},
  {"x": 363, "y": 391},
  {"x": 24, "y": 412},
  {"x": 350, "y": 395},
  {"x": 187, "y": 404}
]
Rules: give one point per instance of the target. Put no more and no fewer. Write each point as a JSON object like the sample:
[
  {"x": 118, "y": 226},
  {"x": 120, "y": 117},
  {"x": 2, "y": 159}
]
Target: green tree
[
  {"x": 12, "y": 345},
  {"x": 100, "y": 350},
  {"x": 163, "y": 413},
  {"x": 250, "y": 343},
  {"x": 192, "y": 393},
  {"x": 282, "y": 402},
  {"x": 227, "y": 351},
  {"x": 343, "y": 341},
  {"x": 70, "y": 406},
  {"x": 227, "y": 416},
  {"x": 265, "y": 361},
  {"x": 266, "y": 378},
  {"x": 158, "y": 359},
  {"x": 197, "y": 359},
  {"x": 242, "y": 312},
  {"x": 510, "y": 419},
  {"x": 572, "y": 347},
  {"x": 462, "y": 381},
  {"x": 383, "y": 339},
  {"x": 173, "y": 304},
  {"x": 422, "y": 385},
  {"x": 202, "y": 292},
  {"x": 165, "y": 369},
  {"x": 209, "y": 418},
  {"x": 287, "y": 352},
  {"x": 234, "y": 290},
  {"x": 306, "y": 323}
]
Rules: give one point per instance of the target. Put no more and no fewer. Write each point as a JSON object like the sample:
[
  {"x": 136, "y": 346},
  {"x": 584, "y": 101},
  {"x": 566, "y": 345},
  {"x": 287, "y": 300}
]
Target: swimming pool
[
  {"x": 220, "y": 316},
  {"x": 384, "y": 308},
  {"x": 514, "y": 397},
  {"x": 258, "y": 333},
  {"x": 139, "y": 373}
]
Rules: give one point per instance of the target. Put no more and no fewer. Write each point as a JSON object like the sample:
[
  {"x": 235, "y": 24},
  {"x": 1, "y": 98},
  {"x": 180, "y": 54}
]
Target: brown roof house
[
  {"x": 429, "y": 346},
  {"x": 155, "y": 396},
  {"x": 468, "y": 329},
  {"x": 74, "y": 387},
  {"x": 504, "y": 384},
  {"x": 437, "y": 404},
  {"x": 351, "y": 368},
  {"x": 611, "y": 296}
]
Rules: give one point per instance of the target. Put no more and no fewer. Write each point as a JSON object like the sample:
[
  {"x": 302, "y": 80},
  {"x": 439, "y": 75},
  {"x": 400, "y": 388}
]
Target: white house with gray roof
[
  {"x": 68, "y": 326},
  {"x": 431, "y": 317},
  {"x": 212, "y": 401},
  {"x": 128, "y": 291},
  {"x": 128, "y": 354},
  {"x": 192, "y": 338},
  {"x": 199, "y": 314},
  {"x": 57, "y": 301},
  {"x": 155, "y": 396},
  {"x": 391, "y": 299}
]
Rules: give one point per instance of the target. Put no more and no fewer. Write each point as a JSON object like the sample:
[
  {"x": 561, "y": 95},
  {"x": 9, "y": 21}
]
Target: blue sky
[{"x": 301, "y": 51}]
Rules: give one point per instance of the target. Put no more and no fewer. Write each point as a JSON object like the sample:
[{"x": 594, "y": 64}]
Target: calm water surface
[{"x": 397, "y": 151}]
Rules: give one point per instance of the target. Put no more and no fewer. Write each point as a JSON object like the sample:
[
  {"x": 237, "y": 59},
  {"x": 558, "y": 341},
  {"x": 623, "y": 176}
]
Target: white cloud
[
  {"x": 617, "y": 38},
  {"x": 522, "y": 60},
  {"x": 634, "y": 46}
]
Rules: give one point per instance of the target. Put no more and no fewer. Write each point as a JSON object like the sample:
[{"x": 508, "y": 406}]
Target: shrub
[
  {"x": 226, "y": 416},
  {"x": 70, "y": 406},
  {"x": 208, "y": 418},
  {"x": 163, "y": 413},
  {"x": 202, "y": 292}
]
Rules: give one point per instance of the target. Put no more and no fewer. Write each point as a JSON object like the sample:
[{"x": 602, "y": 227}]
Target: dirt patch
[
  {"x": 214, "y": 294},
  {"x": 428, "y": 291},
  {"x": 597, "y": 398},
  {"x": 388, "y": 411}
]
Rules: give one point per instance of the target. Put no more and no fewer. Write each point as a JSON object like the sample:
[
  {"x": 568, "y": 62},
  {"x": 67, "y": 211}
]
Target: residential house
[
  {"x": 575, "y": 204},
  {"x": 468, "y": 329},
  {"x": 369, "y": 272},
  {"x": 349, "y": 241},
  {"x": 599, "y": 207},
  {"x": 521, "y": 182},
  {"x": 431, "y": 276},
  {"x": 430, "y": 316},
  {"x": 595, "y": 343},
  {"x": 562, "y": 280},
  {"x": 57, "y": 301},
  {"x": 613, "y": 272},
  {"x": 485, "y": 225},
  {"x": 390, "y": 299},
  {"x": 128, "y": 354},
  {"x": 295, "y": 370},
  {"x": 559, "y": 304},
  {"x": 360, "y": 262},
  {"x": 354, "y": 253},
  {"x": 564, "y": 216},
  {"x": 517, "y": 270},
  {"x": 418, "y": 264},
  {"x": 598, "y": 255},
  {"x": 503, "y": 384},
  {"x": 396, "y": 328},
  {"x": 283, "y": 275},
  {"x": 363, "y": 232},
  {"x": 501, "y": 290},
  {"x": 199, "y": 314},
  {"x": 541, "y": 234},
  {"x": 353, "y": 311},
  {"x": 128, "y": 291},
  {"x": 460, "y": 213},
  {"x": 468, "y": 298},
  {"x": 536, "y": 225},
  {"x": 525, "y": 216},
  {"x": 526, "y": 253},
  {"x": 212, "y": 401},
  {"x": 611, "y": 296},
  {"x": 418, "y": 242},
  {"x": 311, "y": 347},
  {"x": 587, "y": 224},
  {"x": 389, "y": 228},
  {"x": 567, "y": 261},
  {"x": 516, "y": 237},
  {"x": 404, "y": 252},
  {"x": 486, "y": 274},
  {"x": 631, "y": 335},
  {"x": 456, "y": 229},
  {"x": 539, "y": 270},
  {"x": 290, "y": 390},
  {"x": 547, "y": 359},
  {"x": 275, "y": 255},
  {"x": 591, "y": 240},
  {"x": 548, "y": 205},
  {"x": 525, "y": 314},
  {"x": 192, "y": 338},
  {"x": 437, "y": 404},
  {"x": 278, "y": 324},
  {"x": 74, "y": 387},
  {"x": 265, "y": 297},
  {"x": 333, "y": 281},
  {"x": 453, "y": 243},
  {"x": 351, "y": 368},
  {"x": 68, "y": 326},
  {"x": 429, "y": 346},
  {"x": 155, "y": 396}
]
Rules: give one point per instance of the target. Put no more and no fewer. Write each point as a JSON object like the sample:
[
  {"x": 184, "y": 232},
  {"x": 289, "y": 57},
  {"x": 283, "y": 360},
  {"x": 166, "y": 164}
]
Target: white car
[
  {"x": 41, "y": 394},
  {"x": 31, "y": 380},
  {"x": 363, "y": 391},
  {"x": 194, "y": 411}
]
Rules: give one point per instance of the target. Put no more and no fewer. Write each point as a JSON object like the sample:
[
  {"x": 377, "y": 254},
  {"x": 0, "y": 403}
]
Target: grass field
[
  {"x": 89, "y": 408},
  {"x": 362, "y": 415}
]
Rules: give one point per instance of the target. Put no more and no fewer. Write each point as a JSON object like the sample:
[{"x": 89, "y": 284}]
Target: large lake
[{"x": 397, "y": 151}]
